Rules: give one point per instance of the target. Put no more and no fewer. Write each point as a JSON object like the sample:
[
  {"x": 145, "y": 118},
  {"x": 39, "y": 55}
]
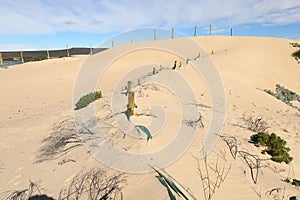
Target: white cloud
[{"x": 103, "y": 16}]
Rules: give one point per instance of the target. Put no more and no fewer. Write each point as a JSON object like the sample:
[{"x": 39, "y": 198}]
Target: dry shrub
[
  {"x": 95, "y": 184},
  {"x": 254, "y": 123},
  {"x": 63, "y": 138},
  {"x": 32, "y": 192}
]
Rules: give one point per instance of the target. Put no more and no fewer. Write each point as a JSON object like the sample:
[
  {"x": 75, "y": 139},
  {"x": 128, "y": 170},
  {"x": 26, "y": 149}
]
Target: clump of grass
[
  {"x": 275, "y": 146},
  {"x": 85, "y": 100},
  {"x": 284, "y": 95},
  {"x": 169, "y": 185}
]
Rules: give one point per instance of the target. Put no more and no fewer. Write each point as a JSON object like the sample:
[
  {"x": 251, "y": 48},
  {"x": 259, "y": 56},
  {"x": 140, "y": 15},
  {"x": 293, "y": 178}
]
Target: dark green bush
[
  {"x": 296, "y": 182},
  {"x": 275, "y": 146},
  {"x": 85, "y": 100},
  {"x": 296, "y": 54}
]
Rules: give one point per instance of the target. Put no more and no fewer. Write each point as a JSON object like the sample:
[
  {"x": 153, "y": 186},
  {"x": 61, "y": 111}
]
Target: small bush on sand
[
  {"x": 296, "y": 182},
  {"x": 275, "y": 146},
  {"x": 256, "y": 124},
  {"x": 85, "y": 100}
]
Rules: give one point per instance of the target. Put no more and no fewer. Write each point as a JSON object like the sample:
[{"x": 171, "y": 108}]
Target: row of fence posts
[
  {"x": 172, "y": 34},
  {"x": 112, "y": 44},
  {"x": 47, "y": 51}
]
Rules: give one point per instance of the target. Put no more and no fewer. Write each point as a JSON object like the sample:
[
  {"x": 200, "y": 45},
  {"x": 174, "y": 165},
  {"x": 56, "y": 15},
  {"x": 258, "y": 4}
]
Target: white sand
[{"x": 36, "y": 95}]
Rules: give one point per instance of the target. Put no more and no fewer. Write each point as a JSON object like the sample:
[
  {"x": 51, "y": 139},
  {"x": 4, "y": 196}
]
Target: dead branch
[
  {"x": 212, "y": 177},
  {"x": 253, "y": 163},
  {"x": 232, "y": 144}
]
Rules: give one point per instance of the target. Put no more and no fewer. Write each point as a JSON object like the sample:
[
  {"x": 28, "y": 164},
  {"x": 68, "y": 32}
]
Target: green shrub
[
  {"x": 275, "y": 146},
  {"x": 284, "y": 95},
  {"x": 296, "y": 54},
  {"x": 85, "y": 100},
  {"x": 296, "y": 182}
]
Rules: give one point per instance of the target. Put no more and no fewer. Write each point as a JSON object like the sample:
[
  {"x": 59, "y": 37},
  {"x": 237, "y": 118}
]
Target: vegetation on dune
[
  {"x": 275, "y": 146},
  {"x": 169, "y": 185},
  {"x": 295, "y": 44},
  {"x": 284, "y": 95},
  {"x": 296, "y": 54},
  {"x": 85, "y": 100},
  {"x": 294, "y": 182},
  {"x": 93, "y": 185}
]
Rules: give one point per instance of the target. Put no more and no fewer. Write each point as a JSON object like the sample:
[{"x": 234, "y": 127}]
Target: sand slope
[{"x": 36, "y": 95}]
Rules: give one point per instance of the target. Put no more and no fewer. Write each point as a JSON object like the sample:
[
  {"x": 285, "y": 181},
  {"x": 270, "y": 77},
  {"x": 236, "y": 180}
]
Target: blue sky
[{"x": 41, "y": 24}]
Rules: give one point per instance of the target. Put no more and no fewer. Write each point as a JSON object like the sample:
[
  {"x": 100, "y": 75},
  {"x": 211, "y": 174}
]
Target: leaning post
[
  {"x": 48, "y": 55},
  {"x": 1, "y": 59},
  {"x": 22, "y": 58},
  {"x": 68, "y": 53}
]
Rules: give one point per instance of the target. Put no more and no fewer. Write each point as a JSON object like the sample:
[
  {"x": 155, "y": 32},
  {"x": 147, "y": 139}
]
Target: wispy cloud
[{"x": 103, "y": 16}]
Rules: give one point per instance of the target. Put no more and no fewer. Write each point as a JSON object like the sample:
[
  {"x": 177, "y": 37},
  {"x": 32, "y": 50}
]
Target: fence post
[
  {"x": 154, "y": 34},
  {"x": 129, "y": 84},
  {"x": 68, "y": 54},
  {"x": 153, "y": 72},
  {"x": 48, "y": 55},
  {"x": 172, "y": 33},
  {"x": 131, "y": 103},
  {"x": 91, "y": 49},
  {"x": 112, "y": 43},
  {"x": 231, "y": 32},
  {"x": 210, "y": 30},
  {"x": 1, "y": 59},
  {"x": 195, "y": 31},
  {"x": 22, "y": 58}
]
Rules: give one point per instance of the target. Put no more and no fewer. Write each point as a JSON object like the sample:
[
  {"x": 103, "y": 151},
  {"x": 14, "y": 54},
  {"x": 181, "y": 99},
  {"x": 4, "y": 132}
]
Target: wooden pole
[
  {"x": 22, "y": 58},
  {"x": 172, "y": 33},
  {"x": 131, "y": 103},
  {"x": 129, "y": 84},
  {"x": 231, "y": 32},
  {"x": 1, "y": 59},
  {"x": 68, "y": 54},
  {"x": 195, "y": 31},
  {"x": 154, "y": 34},
  {"x": 210, "y": 30},
  {"x": 131, "y": 40},
  {"x": 91, "y": 50},
  {"x": 48, "y": 55},
  {"x": 153, "y": 72},
  {"x": 112, "y": 43}
]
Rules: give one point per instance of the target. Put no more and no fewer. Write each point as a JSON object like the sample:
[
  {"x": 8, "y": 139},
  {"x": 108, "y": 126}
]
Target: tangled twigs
[
  {"x": 256, "y": 124},
  {"x": 212, "y": 176},
  {"x": 96, "y": 184}
]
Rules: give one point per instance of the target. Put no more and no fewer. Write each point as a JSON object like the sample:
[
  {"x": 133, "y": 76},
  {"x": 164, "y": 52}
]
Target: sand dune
[{"x": 37, "y": 95}]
